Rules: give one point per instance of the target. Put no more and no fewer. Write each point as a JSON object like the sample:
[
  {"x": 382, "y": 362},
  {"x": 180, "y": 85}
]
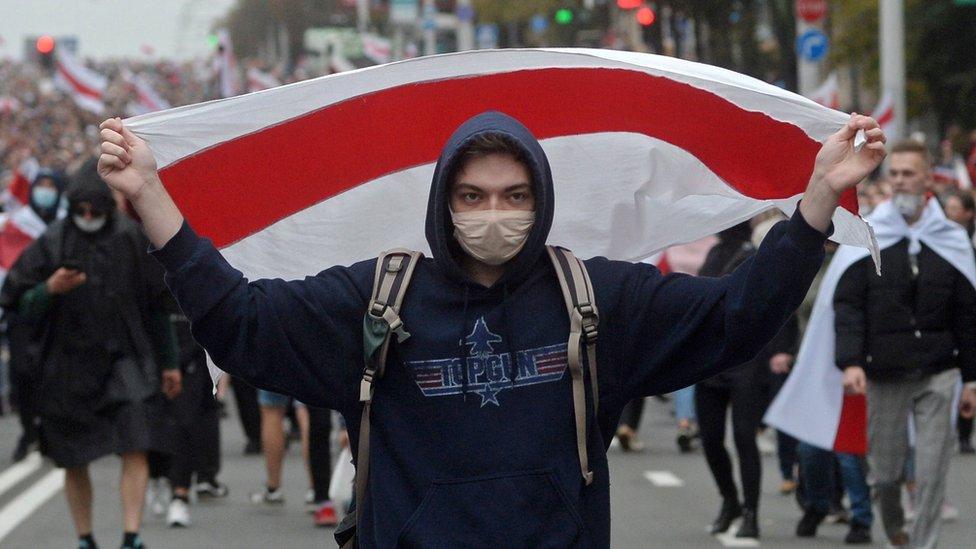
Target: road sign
[
  {"x": 812, "y": 45},
  {"x": 811, "y": 11},
  {"x": 486, "y": 36},
  {"x": 539, "y": 23}
]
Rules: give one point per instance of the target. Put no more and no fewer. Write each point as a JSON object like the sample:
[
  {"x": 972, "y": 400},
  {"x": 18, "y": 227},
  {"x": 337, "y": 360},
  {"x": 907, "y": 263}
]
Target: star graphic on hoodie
[{"x": 489, "y": 394}]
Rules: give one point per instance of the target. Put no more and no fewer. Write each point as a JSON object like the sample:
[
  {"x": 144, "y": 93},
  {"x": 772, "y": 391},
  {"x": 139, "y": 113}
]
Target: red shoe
[{"x": 325, "y": 515}]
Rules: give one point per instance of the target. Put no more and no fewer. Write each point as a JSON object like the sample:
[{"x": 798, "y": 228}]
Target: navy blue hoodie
[{"x": 466, "y": 453}]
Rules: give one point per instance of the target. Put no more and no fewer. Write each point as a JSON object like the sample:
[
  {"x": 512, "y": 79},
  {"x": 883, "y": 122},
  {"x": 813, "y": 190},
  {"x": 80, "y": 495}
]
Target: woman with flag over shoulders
[{"x": 473, "y": 441}]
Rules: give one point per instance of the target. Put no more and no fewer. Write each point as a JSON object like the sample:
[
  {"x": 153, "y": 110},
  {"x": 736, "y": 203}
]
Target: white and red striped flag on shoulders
[
  {"x": 85, "y": 86},
  {"x": 812, "y": 406},
  {"x": 646, "y": 152},
  {"x": 258, "y": 80}
]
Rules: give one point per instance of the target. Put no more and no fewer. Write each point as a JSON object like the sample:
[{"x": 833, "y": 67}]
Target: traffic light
[
  {"x": 564, "y": 16},
  {"x": 646, "y": 16},
  {"x": 45, "y": 51}
]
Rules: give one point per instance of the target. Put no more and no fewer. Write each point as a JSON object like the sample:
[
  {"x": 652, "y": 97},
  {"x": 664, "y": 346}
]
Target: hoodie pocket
[{"x": 524, "y": 509}]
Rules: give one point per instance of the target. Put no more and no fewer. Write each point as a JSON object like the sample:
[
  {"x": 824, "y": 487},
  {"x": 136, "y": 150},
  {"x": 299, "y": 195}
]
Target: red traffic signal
[
  {"x": 629, "y": 4},
  {"x": 45, "y": 45},
  {"x": 646, "y": 16}
]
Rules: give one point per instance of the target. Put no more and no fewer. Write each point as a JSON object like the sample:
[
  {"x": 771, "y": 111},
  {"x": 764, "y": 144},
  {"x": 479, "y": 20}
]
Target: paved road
[{"x": 645, "y": 514}]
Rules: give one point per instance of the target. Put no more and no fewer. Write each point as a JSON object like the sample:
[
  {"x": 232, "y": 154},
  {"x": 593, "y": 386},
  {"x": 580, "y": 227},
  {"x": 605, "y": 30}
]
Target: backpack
[{"x": 394, "y": 269}]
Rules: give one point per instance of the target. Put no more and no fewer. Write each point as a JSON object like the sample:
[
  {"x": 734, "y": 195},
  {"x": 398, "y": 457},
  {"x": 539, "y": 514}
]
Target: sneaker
[
  {"x": 158, "y": 496},
  {"x": 966, "y": 447},
  {"x": 949, "y": 512},
  {"x": 211, "y": 489},
  {"x": 310, "y": 505},
  {"x": 787, "y": 487},
  {"x": 178, "y": 515},
  {"x": 839, "y": 516},
  {"x": 686, "y": 438},
  {"x": 325, "y": 514},
  {"x": 268, "y": 497},
  {"x": 628, "y": 439},
  {"x": 859, "y": 534}
]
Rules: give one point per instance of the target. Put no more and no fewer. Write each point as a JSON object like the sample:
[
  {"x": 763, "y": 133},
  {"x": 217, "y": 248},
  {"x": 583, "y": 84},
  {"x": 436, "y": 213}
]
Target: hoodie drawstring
[
  {"x": 509, "y": 344},
  {"x": 462, "y": 354}
]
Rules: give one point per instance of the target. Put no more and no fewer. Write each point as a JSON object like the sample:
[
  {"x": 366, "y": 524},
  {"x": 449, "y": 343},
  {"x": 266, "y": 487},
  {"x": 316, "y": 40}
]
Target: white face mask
[
  {"x": 492, "y": 236},
  {"x": 908, "y": 205},
  {"x": 92, "y": 225}
]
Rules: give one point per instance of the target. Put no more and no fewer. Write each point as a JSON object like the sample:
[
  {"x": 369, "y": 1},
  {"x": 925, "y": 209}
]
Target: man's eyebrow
[
  {"x": 518, "y": 187},
  {"x": 466, "y": 187}
]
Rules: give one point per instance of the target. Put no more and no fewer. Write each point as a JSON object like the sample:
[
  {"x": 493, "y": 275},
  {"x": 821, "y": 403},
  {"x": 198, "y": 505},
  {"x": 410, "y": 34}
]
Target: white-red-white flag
[
  {"x": 646, "y": 152},
  {"x": 17, "y": 231},
  {"x": 884, "y": 111},
  {"x": 258, "y": 80},
  {"x": 147, "y": 99},
  {"x": 84, "y": 85},
  {"x": 828, "y": 94},
  {"x": 17, "y": 193}
]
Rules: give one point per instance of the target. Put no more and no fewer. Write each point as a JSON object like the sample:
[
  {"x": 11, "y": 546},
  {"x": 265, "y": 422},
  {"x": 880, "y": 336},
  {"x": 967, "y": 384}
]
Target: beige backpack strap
[
  {"x": 394, "y": 269},
  {"x": 583, "y": 322}
]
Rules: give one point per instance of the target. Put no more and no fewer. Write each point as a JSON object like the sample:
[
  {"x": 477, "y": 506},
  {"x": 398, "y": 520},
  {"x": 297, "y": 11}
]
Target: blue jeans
[
  {"x": 684, "y": 404},
  {"x": 817, "y": 468}
]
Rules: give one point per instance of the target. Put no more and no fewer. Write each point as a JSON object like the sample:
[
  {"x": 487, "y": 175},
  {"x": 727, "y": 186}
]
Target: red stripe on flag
[
  {"x": 78, "y": 85},
  {"x": 852, "y": 430},
  {"x": 887, "y": 116},
  {"x": 237, "y": 188},
  {"x": 19, "y": 187}
]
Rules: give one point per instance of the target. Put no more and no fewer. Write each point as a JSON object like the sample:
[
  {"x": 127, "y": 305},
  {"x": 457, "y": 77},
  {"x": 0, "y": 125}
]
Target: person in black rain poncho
[{"x": 99, "y": 336}]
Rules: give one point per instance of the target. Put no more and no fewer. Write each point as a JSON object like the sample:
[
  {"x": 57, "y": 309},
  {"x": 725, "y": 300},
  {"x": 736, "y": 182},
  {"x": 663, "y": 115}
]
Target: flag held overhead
[{"x": 646, "y": 151}]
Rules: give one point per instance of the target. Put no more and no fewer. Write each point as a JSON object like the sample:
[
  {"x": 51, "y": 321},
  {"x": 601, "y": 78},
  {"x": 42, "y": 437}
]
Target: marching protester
[
  {"x": 20, "y": 228},
  {"x": 487, "y": 294},
  {"x": 742, "y": 389},
  {"x": 102, "y": 344},
  {"x": 904, "y": 338}
]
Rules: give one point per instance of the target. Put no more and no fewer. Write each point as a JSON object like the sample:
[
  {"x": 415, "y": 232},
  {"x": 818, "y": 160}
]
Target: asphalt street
[{"x": 660, "y": 498}]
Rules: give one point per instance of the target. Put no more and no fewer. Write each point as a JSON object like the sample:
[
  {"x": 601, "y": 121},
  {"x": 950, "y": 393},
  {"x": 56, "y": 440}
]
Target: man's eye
[
  {"x": 519, "y": 197},
  {"x": 469, "y": 197}
]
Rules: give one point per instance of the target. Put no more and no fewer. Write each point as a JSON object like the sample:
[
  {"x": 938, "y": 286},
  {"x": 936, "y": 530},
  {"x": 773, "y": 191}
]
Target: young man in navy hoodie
[{"x": 461, "y": 462}]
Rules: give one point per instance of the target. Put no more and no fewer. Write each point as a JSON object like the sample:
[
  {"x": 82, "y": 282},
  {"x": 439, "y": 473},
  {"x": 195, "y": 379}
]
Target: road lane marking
[
  {"x": 664, "y": 479},
  {"x": 27, "y": 502},
  {"x": 728, "y": 539},
  {"x": 19, "y": 471}
]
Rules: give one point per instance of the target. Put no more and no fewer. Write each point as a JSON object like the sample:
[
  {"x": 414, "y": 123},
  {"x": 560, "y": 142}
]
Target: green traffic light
[{"x": 564, "y": 16}]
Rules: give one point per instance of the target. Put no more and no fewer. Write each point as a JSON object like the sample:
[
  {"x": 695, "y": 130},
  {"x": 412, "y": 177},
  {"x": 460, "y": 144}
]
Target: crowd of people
[{"x": 102, "y": 361}]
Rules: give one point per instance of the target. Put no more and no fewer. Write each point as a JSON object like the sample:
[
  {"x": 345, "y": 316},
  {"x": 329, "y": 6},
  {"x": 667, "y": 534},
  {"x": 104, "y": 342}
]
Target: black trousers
[
  {"x": 965, "y": 428},
  {"x": 24, "y": 396},
  {"x": 246, "y": 398},
  {"x": 319, "y": 451},
  {"x": 712, "y": 400},
  {"x": 198, "y": 420}
]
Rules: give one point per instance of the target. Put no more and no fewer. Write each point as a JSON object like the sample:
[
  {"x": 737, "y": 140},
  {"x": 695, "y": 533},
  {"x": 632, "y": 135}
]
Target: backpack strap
[
  {"x": 394, "y": 268},
  {"x": 583, "y": 321}
]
